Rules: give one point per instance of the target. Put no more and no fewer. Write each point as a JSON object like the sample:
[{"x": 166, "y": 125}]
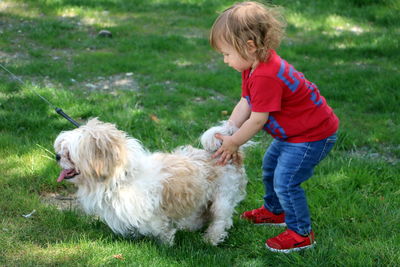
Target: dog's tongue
[{"x": 63, "y": 174}]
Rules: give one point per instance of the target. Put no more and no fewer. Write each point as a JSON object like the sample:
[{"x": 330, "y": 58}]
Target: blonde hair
[{"x": 249, "y": 21}]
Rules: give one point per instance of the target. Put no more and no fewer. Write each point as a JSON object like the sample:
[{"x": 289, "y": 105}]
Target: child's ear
[{"x": 251, "y": 46}]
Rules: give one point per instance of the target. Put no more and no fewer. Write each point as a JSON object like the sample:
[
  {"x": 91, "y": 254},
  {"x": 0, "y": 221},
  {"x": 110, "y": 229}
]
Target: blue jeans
[{"x": 285, "y": 167}]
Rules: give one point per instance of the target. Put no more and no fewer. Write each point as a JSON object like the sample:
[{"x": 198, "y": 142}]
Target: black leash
[{"x": 58, "y": 110}]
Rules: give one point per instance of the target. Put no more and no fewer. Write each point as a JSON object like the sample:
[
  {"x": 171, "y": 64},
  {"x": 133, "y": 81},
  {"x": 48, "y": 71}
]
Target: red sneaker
[
  {"x": 290, "y": 241},
  {"x": 264, "y": 216}
]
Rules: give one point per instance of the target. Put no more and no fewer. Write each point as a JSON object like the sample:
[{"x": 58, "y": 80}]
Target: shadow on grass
[{"x": 67, "y": 237}]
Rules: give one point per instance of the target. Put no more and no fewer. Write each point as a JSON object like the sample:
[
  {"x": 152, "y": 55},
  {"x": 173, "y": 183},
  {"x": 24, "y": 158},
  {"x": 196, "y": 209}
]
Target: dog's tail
[{"x": 211, "y": 144}]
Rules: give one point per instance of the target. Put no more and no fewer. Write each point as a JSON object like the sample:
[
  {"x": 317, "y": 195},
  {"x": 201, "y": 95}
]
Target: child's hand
[{"x": 228, "y": 150}]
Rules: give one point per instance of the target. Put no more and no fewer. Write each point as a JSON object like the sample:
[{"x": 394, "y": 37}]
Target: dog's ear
[{"x": 102, "y": 149}]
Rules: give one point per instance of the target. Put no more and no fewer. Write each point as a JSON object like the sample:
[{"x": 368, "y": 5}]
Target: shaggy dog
[{"x": 138, "y": 193}]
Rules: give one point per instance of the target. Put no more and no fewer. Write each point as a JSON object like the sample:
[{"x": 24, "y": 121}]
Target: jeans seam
[
  {"x": 275, "y": 198},
  {"x": 290, "y": 181}
]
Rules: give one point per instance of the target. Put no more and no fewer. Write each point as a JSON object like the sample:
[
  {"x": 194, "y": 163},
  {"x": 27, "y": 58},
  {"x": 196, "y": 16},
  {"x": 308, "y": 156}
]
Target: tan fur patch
[
  {"x": 184, "y": 189},
  {"x": 239, "y": 159},
  {"x": 212, "y": 175},
  {"x": 103, "y": 149}
]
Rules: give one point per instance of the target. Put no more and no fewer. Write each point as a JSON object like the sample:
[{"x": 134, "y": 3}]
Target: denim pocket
[{"x": 329, "y": 143}]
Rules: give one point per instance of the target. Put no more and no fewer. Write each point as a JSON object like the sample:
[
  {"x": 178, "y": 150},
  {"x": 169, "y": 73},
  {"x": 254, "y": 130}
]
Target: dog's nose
[{"x": 58, "y": 157}]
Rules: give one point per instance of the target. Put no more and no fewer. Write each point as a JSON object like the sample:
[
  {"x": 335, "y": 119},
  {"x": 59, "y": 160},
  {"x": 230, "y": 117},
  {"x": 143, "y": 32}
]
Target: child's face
[{"x": 233, "y": 58}]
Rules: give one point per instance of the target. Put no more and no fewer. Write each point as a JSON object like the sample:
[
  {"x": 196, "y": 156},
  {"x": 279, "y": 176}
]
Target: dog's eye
[{"x": 58, "y": 157}]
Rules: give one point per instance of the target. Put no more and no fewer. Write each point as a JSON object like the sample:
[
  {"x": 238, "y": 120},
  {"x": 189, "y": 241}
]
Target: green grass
[{"x": 348, "y": 48}]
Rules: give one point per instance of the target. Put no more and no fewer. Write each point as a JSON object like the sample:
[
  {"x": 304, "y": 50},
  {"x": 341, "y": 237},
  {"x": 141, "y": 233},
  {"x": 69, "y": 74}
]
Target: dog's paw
[{"x": 214, "y": 238}]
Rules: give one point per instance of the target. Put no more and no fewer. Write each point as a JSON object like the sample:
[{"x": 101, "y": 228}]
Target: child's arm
[
  {"x": 231, "y": 144},
  {"x": 240, "y": 113}
]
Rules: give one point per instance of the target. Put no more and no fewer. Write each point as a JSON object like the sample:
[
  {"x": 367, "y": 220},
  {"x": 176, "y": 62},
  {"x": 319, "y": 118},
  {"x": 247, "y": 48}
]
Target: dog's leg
[
  {"x": 164, "y": 230},
  {"x": 168, "y": 236},
  {"x": 221, "y": 220},
  {"x": 196, "y": 221}
]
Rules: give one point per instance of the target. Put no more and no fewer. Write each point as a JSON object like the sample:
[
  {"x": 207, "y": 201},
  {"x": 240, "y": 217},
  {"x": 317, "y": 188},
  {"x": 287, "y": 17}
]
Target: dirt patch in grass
[
  {"x": 386, "y": 154},
  {"x": 112, "y": 83},
  {"x": 60, "y": 201}
]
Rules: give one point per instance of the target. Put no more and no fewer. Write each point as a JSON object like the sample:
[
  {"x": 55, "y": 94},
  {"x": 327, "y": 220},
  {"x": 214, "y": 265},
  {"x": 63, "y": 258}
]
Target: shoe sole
[
  {"x": 268, "y": 224},
  {"x": 291, "y": 249},
  {"x": 272, "y": 224}
]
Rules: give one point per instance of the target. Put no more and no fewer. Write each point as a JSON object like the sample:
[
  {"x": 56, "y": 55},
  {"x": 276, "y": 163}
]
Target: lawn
[{"x": 158, "y": 79}]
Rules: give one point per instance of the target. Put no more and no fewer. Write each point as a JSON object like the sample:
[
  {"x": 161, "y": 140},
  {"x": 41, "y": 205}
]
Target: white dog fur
[{"x": 138, "y": 193}]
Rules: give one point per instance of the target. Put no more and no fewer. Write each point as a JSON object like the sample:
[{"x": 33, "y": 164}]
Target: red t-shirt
[{"x": 297, "y": 111}]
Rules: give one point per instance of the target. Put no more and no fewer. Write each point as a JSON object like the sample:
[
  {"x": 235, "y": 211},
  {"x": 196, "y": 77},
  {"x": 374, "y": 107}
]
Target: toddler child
[{"x": 280, "y": 100}]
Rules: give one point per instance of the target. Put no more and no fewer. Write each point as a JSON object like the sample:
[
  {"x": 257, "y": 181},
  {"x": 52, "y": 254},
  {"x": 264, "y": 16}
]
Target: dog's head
[{"x": 95, "y": 150}]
